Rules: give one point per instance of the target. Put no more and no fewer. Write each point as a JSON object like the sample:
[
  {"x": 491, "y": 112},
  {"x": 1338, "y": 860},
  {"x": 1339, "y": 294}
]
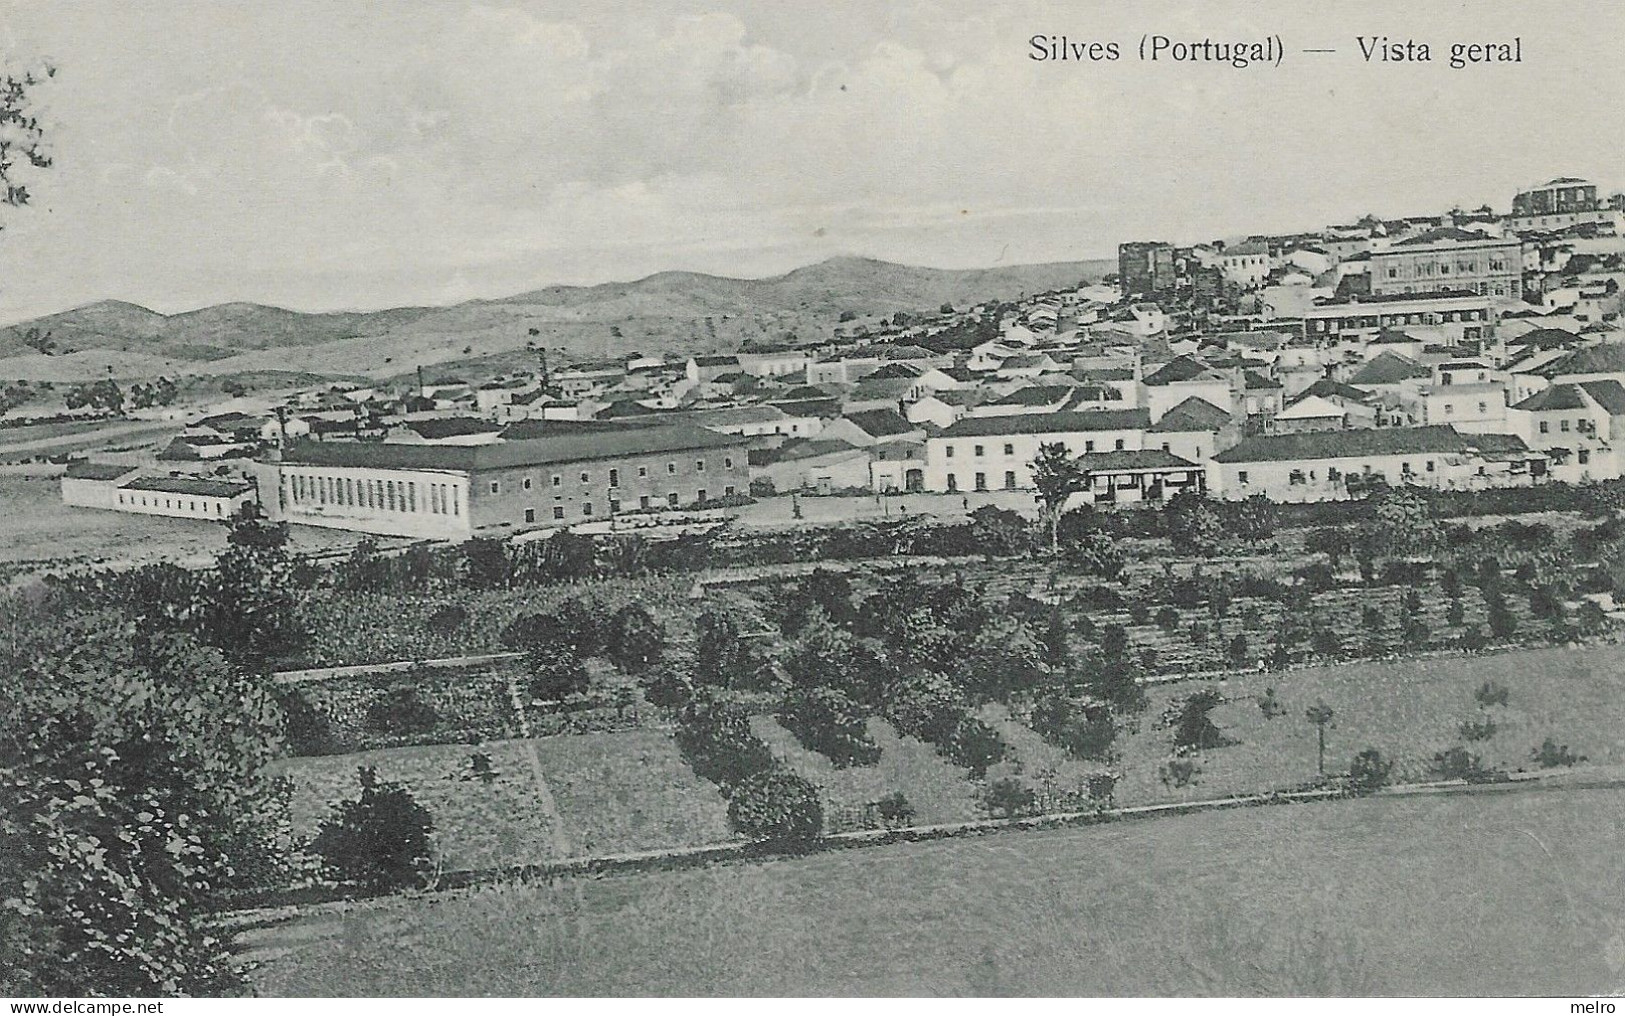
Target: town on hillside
[{"x": 1464, "y": 351}]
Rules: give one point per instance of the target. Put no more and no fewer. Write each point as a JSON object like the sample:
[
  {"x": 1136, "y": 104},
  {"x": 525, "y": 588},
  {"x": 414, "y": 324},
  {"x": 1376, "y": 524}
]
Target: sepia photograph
[{"x": 885, "y": 499}]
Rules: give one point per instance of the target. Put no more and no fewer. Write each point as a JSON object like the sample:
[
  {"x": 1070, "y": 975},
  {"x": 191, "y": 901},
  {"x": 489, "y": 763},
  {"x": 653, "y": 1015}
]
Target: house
[
  {"x": 205, "y": 446},
  {"x": 183, "y": 497},
  {"x": 898, "y": 467},
  {"x": 871, "y": 427},
  {"x": 1245, "y": 265},
  {"x": 748, "y": 421},
  {"x": 1193, "y": 430},
  {"x": 1359, "y": 406},
  {"x": 1263, "y": 395},
  {"x": 706, "y": 369},
  {"x": 881, "y": 393},
  {"x": 569, "y": 473},
  {"x": 1455, "y": 317},
  {"x": 1390, "y": 374},
  {"x": 997, "y": 451},
  {"x": 93, "y": 484},
  {"x": 1335, "y": 465},
  {"x": 1309, "y": 413},
  {"x": 1048, "y": 398},
  {"x": 1480, "y": 408},
  {"x": 459, "y": 430},
  {"x": 1147, "y": 476},
  {"x": 1581, "y": 427},
  {"x": 1182, "y": 378},
  {"x": 819, "y": 466},
  {"x": 855, "y": 364},
  {"x": 765, "y": 362},
  {"x": 941, "y": 409}
]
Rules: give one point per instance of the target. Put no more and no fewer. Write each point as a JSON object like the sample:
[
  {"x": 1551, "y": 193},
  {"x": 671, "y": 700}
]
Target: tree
[
  {"x": 637, "y": 639},
  {"x": 1253, "y": 519},
  {"x": 999, "y": 532},
  {"x": 1402, "y": 524},
  {"x": 1320, "y": 714},
  {"x": 1009, "y": 798},
  {"x": 556, "y": 672},
  {"x": 830, "y": 723},
  {"x": 22, "y": 137},
  {"x": 132, "y": 791},
  {"x": 252, "y": 609},
  {"x": 1194, "y": 728},
  {"x": 380, "y": 840},
  {"x": 1191, "y": 523},
  {"x": 1369, "y": 771},
  {"x": 776, "y": 805},
  {"x": 894, "y": 809},
  {"x": 1333, "y": 541},
  {"x": 1057, "y": 475}
]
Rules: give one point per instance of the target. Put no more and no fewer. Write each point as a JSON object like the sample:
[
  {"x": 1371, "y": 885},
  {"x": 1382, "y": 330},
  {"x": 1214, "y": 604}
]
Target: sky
[{"x": 352, "y": 155}]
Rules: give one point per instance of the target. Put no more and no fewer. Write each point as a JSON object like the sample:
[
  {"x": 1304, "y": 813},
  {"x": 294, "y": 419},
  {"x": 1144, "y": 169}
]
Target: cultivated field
[
  {"x": 1501, "y": 893},
  {"x": 630, "y": 790}
]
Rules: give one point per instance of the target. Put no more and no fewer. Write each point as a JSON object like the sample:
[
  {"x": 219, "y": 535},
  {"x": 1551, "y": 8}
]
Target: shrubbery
[
  {"x": 776, "y": 805},
  {"x": 380, "y": 840}
]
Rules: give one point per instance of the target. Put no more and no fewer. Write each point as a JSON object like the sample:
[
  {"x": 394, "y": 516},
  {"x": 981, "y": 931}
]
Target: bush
[
  {"x": 1270, "y": 705},
  {"x": 717, "y": 743},
  {"x": 1238, "y": 651},
  {"x": 1458, "y": 763},
  {"x": 1167, "y": 619},
  {"x": 895, "y": 810},
  {"x": 446, "y": 620},
  {"x": 637, "y": 639},
  {"x": 1491, "y": 693},
  {"x": 830, "y": 723},
  {"x": 975, "y": 745},
  {"x": 380, "y": 840},
  {"x": 1085, "y": 733},
  {"x": 1477, "y": 729},
  {"x": 1009, "y": 798},
  {"x": 1179, "y": 771},
  {"x": 556, "y": 673},
  {"x": 1193, "y": 729},
  {"x": 1369, "y": 771},
  {"x": 1550, "y": 755},
  {"x": 776, "y": 805}
]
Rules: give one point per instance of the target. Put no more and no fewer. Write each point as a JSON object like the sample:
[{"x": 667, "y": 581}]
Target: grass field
[
  {"x": 1410, "y": 710},
  {"x": 1514, "y": 893}
]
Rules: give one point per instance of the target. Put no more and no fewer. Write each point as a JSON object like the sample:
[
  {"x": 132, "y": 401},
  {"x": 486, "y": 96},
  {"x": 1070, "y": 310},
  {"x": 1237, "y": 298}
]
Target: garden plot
[
  {"x": 476, "y": 824},
  {"x": 630, "y": 791}
]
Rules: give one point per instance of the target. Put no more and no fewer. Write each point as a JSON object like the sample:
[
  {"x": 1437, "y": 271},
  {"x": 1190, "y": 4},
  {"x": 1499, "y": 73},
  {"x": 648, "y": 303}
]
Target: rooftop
[
  {"x": 1191, "y": 416},
  {"x": 96, "y": 471},
  {"x": 188, "y": 486},
  {"x": 1344, "y": 444},
  {"x": 881, "y": 422},
  {"x": 1149, "y": 458},
  {"x": 1050, "y": 423},
  {"x": 571, "y": 446}
]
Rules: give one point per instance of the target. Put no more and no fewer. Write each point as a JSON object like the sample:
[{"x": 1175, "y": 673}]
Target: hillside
[{"x": 667, "y": 312}]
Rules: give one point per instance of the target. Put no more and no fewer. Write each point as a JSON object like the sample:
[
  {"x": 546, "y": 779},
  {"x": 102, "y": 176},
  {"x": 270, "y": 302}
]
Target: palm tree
[{"x": 1320, "y": 714}]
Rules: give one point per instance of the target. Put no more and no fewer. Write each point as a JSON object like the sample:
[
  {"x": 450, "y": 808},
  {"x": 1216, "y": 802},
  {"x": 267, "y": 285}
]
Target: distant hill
[{"x": 667, "y": 312}]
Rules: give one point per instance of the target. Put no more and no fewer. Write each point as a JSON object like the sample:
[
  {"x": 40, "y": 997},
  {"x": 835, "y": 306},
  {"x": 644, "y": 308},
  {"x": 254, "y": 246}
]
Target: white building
[{"x": 997, "y": 452}]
